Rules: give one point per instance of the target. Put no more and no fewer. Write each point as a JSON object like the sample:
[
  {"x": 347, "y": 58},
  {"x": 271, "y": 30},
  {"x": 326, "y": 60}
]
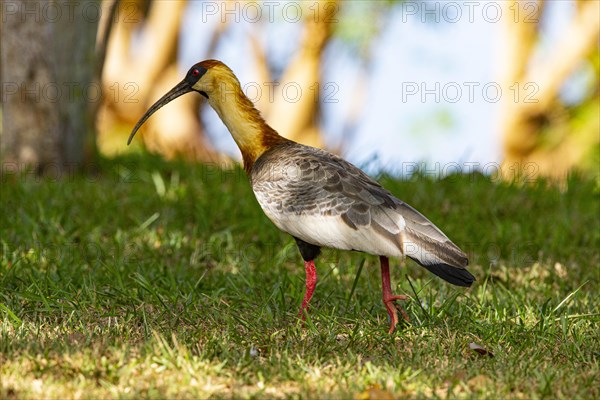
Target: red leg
[
  {"x": 388, "y": 297},
  {"x": 311, "y": 282}
]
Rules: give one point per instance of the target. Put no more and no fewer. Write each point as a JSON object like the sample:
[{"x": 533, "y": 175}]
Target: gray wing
[{"x": 304, "y": 181}]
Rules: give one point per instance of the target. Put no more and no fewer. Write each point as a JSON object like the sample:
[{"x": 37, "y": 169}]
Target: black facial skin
[{"x": 194, "y": 74}]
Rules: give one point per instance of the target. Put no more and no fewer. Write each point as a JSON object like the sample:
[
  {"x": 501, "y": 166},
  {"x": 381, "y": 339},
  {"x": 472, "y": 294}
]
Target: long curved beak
[{"x": 179, "y": 90}]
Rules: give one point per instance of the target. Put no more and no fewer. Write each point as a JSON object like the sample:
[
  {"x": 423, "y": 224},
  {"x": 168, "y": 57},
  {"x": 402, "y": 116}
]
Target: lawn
[{"x": 160, "y": 279}]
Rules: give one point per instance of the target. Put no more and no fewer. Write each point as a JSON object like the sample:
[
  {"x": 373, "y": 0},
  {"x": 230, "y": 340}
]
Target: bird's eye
[{"x": 195, "y": 72}]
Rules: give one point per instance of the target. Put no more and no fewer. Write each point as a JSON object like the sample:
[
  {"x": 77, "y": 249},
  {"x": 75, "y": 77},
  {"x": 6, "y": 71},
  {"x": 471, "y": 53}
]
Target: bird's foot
[{"x": 392, "y": 309}]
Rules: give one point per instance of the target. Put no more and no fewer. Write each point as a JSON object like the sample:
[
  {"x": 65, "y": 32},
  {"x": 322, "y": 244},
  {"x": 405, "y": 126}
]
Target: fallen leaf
[
  {"x": 479, "y": 381},
  {"x": 374, "y": 392},
  {"x": 481, "y": 350}
]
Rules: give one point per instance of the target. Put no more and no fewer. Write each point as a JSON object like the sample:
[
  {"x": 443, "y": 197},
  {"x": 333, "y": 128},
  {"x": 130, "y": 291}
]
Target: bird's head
[{"x": 211, "y": 78}]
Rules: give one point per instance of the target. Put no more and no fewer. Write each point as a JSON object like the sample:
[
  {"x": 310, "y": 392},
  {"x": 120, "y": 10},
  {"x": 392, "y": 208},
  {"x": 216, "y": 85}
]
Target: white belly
[{"x": 333, "y": 232}]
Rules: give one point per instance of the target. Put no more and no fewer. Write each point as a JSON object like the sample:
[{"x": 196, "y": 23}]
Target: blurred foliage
[
  {"x": 576, "y": 125},
  {"x": 441, "y": 121},
  {"x": 360, "y": 22}
]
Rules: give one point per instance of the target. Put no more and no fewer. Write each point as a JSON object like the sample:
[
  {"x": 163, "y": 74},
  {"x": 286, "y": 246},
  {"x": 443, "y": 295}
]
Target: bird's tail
[{"x": 443, "y": 258}]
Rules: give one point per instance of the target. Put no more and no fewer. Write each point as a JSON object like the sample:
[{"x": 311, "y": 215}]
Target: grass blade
[{"x": 360, "y": 267}]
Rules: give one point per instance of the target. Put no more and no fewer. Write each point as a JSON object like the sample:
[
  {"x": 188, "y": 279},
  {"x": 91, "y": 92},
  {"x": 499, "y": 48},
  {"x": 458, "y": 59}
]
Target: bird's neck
[{"x": 248, "y": 128}]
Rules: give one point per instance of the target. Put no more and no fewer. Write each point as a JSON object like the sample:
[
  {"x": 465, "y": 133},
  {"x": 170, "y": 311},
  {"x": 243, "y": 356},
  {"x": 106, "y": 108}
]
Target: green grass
[{"x": 165, "y": 280}]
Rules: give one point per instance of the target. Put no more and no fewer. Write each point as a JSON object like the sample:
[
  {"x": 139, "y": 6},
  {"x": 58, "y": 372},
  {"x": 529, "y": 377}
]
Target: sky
[{"x": 431, "y": 92}]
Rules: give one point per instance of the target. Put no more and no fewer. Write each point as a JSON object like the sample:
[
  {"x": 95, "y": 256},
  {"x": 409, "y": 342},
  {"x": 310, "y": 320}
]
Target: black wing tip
[{"x": 456, "y": 276}]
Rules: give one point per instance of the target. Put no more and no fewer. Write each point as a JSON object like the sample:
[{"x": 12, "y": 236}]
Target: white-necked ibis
[{"x": 317, "y": 197}]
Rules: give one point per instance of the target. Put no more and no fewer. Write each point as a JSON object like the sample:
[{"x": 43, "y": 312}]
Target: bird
[{"x": 320, "y": 199}]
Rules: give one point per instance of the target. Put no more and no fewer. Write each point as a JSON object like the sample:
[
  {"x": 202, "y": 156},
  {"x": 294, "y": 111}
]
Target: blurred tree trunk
[
  {"x": 48, "y": 89},
  {"x": 136, "y": 79},
  {"x": 537, "y": 138}
]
